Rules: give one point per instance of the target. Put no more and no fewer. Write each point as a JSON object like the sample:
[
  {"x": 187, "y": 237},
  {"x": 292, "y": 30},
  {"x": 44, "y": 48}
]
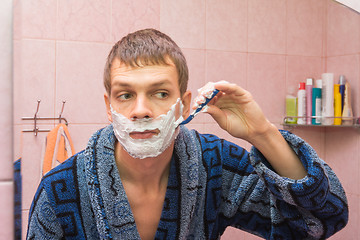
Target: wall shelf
[{"x": 354, "y": 124}]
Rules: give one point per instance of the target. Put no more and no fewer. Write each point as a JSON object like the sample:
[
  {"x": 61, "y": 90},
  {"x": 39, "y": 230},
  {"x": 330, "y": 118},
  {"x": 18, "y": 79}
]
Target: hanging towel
[{"x": 58, "y": 147}]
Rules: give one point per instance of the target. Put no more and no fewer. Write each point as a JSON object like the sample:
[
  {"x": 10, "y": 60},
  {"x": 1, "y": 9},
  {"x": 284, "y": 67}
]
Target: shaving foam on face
[{"x": 166, "y": 124}]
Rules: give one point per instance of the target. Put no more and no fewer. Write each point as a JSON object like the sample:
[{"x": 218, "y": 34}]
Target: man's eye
[
  {"x": 125, "y": 96},
  {"x": 161, "y": 94}
]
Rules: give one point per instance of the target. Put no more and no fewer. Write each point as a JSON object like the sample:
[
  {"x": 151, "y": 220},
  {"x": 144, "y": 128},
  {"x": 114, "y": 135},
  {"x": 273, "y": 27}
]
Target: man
[{"x": 144, "y": 177}]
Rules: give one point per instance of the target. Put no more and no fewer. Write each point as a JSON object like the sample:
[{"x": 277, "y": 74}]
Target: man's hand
[{"x": 235, "y": 110}]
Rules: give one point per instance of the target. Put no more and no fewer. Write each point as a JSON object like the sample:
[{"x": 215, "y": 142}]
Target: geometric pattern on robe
[{"x": 212, "y": 184}]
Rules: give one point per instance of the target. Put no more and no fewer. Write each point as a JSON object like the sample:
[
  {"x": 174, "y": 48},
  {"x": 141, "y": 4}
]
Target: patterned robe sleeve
[
  {"x": 256, "y": 199},
  {"x": 43, "y": 223}
]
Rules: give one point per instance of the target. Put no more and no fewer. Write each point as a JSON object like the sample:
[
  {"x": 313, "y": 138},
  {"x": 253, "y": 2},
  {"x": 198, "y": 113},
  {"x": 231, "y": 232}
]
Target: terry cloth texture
[
  {"x": 212, "y": 184},
  {"x": 17, "y": 198},
  {"x": 58, "y": 148}
]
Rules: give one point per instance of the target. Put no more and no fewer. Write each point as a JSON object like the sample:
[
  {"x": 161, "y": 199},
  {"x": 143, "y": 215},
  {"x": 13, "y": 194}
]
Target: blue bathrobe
[{"x": 212, "y": 184}]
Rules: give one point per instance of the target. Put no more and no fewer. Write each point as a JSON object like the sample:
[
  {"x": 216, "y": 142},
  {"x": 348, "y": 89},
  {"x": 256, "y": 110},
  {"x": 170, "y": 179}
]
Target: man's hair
[{"x": 147, "y": 47}]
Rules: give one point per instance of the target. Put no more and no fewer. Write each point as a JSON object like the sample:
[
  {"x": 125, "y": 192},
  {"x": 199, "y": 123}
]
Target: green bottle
[{"x": 291, "y": 107}]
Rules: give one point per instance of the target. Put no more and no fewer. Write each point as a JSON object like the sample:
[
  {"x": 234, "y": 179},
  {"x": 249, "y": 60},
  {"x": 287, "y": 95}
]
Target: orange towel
[{"x": 58, "y": 148}]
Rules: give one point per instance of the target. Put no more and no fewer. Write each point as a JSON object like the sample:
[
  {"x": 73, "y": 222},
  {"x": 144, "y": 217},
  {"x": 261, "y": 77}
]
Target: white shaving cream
[{"x": 143, "y": 148}]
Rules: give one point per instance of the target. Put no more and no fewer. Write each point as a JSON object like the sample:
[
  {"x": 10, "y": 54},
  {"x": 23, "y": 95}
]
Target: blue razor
[{"x": 199, "y": 108}]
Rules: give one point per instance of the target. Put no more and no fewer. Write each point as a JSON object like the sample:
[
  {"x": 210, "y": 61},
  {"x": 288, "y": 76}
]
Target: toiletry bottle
[
  {"x": 291, "y": 106},
  {"x": 327, "y": 99},
  {"x": 342, "y": 82},
  {"x": 347, "y": 114},
  {"x": 316, "y": 103},
  {"x": 337, "y": 104},
  {"x": 301, "y": 104},
  {"x": 308, "y": 89}
]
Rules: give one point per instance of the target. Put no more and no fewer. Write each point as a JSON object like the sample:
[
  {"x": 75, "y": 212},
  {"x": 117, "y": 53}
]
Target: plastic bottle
[
  {"x": 291, "y": 106},
  {"x": 342, "y": 82},
  {"x": 327, "y": 99},
  {"x": 347, "y": 114},
  {"x": 308, "y": 89},
  {"x": 337, "y": 104},
  {"x": 316, "y": 103},
  {"x": 301, "y": 104}
]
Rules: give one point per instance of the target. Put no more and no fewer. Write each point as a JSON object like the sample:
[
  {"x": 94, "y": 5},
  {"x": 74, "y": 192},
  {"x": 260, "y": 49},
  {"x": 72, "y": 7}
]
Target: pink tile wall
[
  {"x": 342, "y": 145},
  {"x": 343, "y": 156},
  {"x": 267, "y": 72},
  {"x": 349, "y": 66},
  {"x": 139, "y": 14},
  {"x": 38, "y": 19},
  {"x": 267, "y": 26},
  {"x": 196, "y": 60},
  {"x": 6, "y": 138},
  {"x": 226, "y": 25},
  {"x": 79, "y": 71},
  {"x": 34, "y": 78},
  {"x": 184, "y": 21},
  {"x": 31, "y": 164},
  {"x": 264, "y": 46},
  {"x": 305, "y": 27},
  {"x": 7, "y": 212},
  {"x": 343, "y": 30},
  {"x": 295, "y": 66},
  {"x": 84, "y": 20}
]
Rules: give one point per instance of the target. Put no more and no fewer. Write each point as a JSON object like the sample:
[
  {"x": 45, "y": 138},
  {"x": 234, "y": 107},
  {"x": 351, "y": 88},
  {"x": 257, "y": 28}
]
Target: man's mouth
[{"x": 144, "y": 135}]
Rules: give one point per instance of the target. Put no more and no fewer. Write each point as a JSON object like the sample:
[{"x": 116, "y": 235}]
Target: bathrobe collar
[{"x": 114, "y": 218}]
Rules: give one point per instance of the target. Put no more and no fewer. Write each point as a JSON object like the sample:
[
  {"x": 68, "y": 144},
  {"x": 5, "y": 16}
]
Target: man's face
[{"x": 145, "y": 92}]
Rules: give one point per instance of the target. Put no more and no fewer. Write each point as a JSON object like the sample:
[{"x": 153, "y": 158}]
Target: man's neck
[{"x": 149, "y": 173}]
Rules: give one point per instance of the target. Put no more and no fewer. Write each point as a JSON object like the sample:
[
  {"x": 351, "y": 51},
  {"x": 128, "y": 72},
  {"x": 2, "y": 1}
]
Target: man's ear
[
  {"x": 107, "y": 103},
  {"x": 186, "y": 100}
]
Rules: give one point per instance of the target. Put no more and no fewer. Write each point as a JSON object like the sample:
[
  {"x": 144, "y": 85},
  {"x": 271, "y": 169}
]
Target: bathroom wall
[
  {"x": 341, "y": 146},
  {"x": 6, "y": 143},
  {"x": 265, "y": 46}
]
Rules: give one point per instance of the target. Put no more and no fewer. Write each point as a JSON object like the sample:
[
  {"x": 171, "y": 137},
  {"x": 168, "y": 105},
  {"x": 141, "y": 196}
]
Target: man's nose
[{"x": 141, "y": 108}]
